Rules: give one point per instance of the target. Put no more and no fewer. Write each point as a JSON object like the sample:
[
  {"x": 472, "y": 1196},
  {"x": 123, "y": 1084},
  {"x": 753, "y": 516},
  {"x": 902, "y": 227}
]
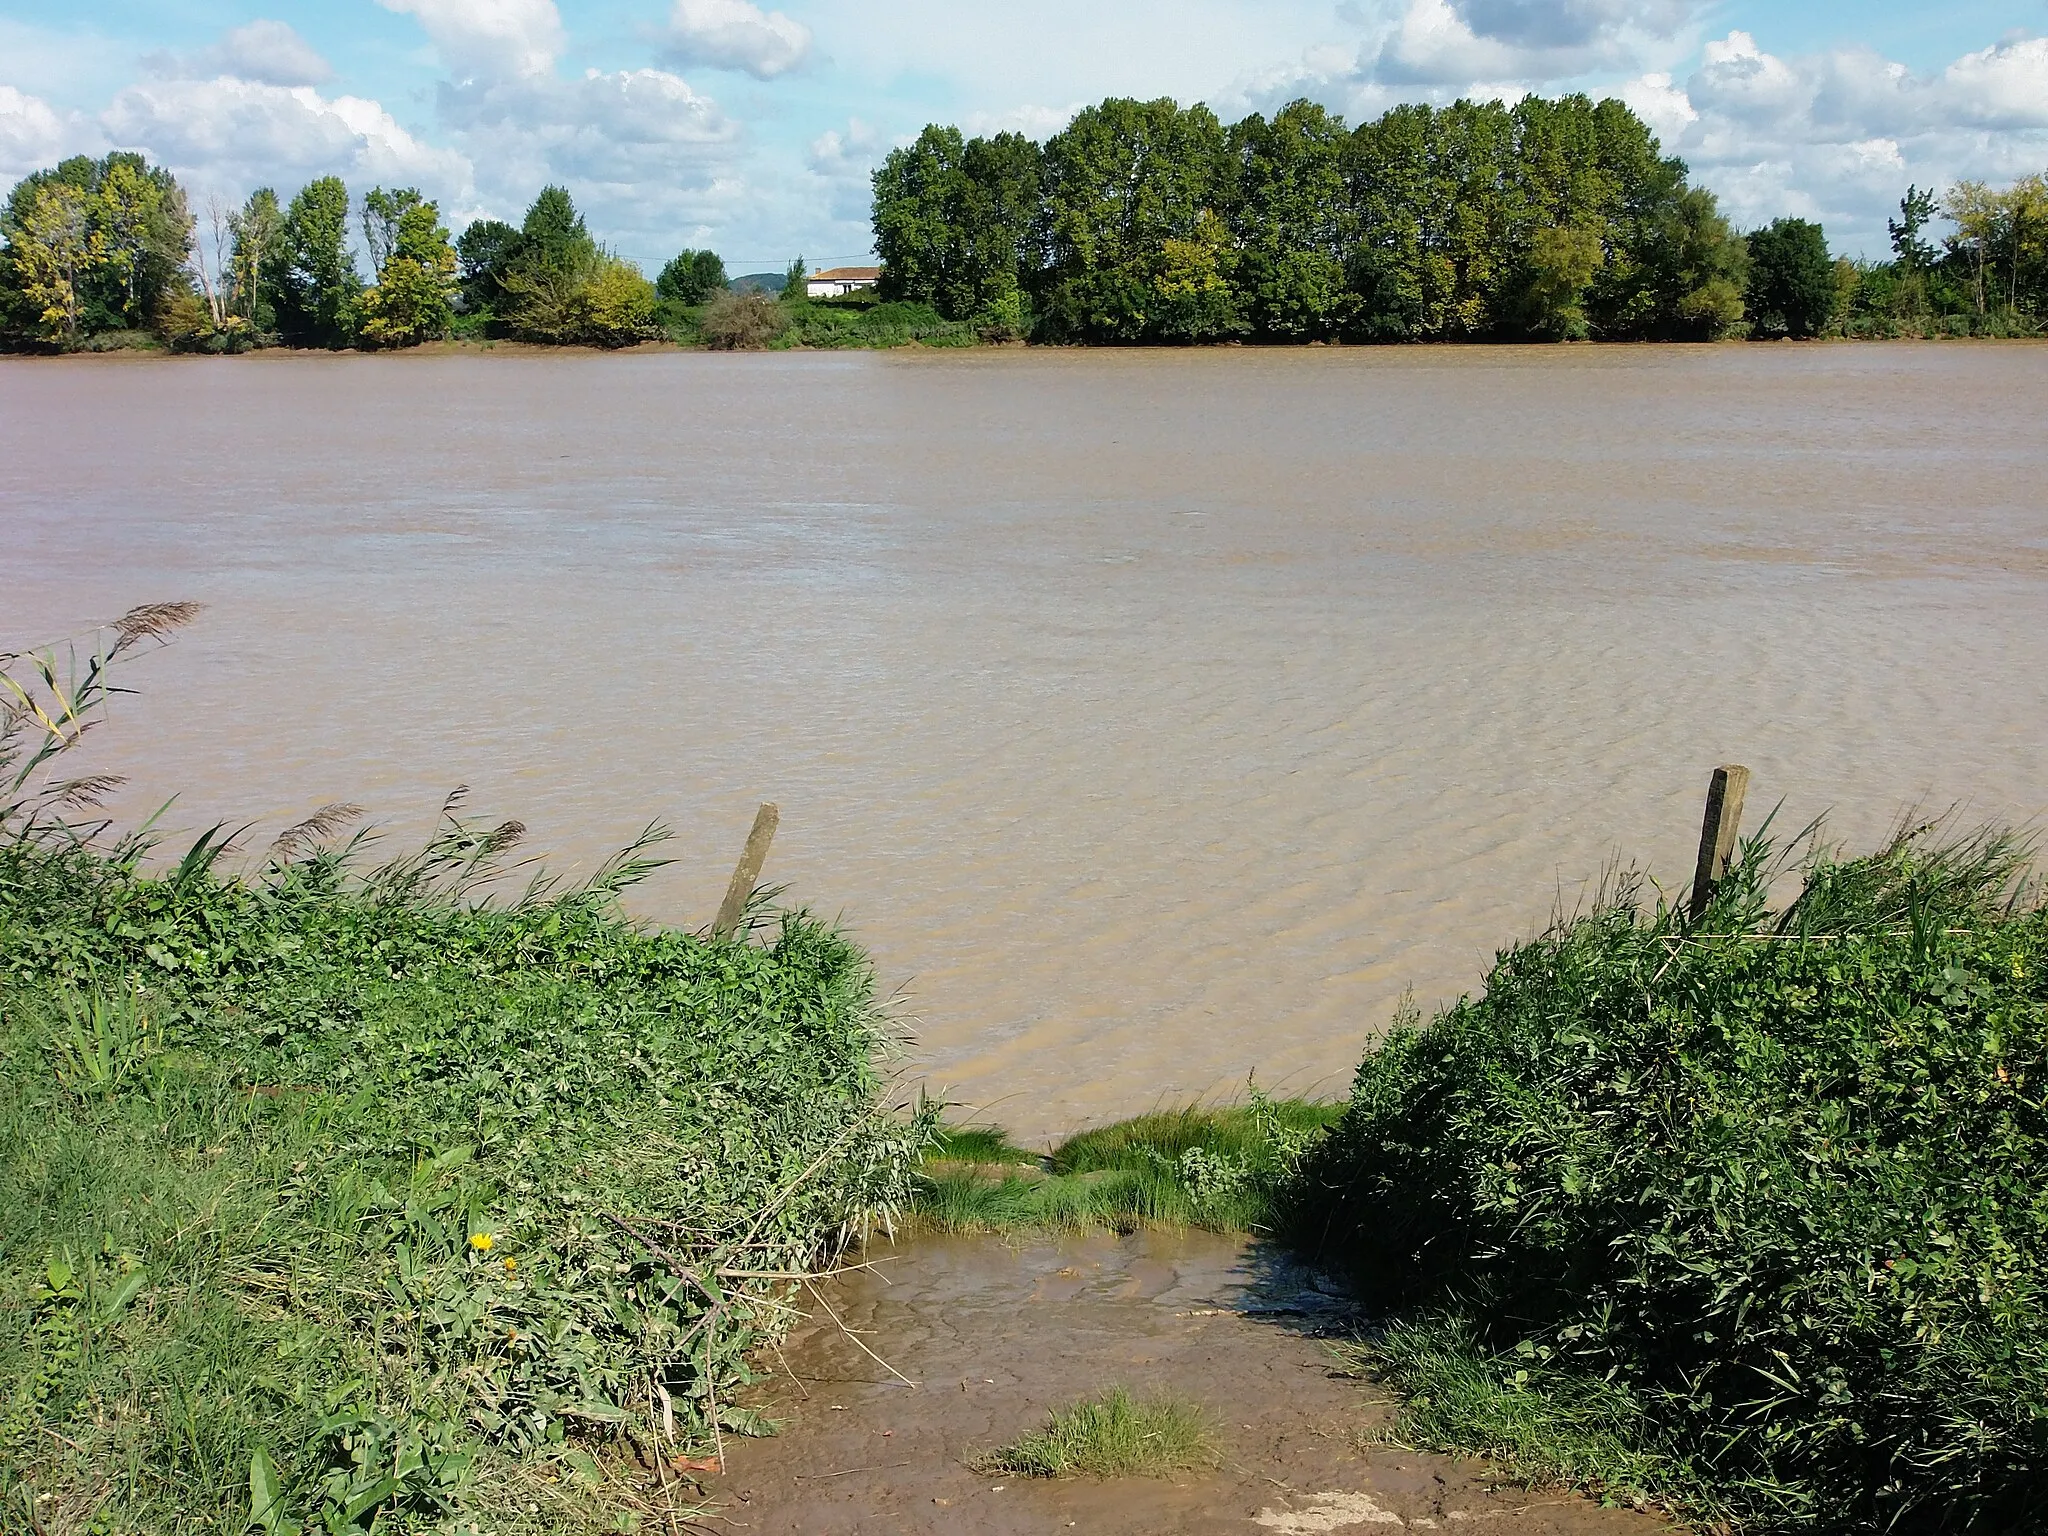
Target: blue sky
[{"x": 752, "y": 127}]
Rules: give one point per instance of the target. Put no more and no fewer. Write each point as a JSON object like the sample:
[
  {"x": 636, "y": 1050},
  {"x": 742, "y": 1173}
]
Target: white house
[{"x": 834, "y": 281}]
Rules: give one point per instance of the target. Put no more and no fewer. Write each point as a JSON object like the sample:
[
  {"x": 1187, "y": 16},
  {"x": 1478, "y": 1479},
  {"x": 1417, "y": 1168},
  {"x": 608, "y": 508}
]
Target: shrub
[
  {"x": 741, "y": 321},
  {"x": 1775, "y": 1177}
]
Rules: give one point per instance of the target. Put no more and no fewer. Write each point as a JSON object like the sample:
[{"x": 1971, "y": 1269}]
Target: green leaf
[{"x": 266, "y": 1497}]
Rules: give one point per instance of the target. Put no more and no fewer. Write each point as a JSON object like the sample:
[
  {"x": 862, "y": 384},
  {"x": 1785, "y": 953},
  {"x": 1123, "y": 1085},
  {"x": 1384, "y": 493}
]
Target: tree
[
  {"x": 102, "y": 243},
  {"x": 319, "y": 284},
  {"x": 1912, "y": 255},
  {"x": 1435, "y": 255},
  {"x": 258, "y": 260},
  {"x": 691, "y": 277},
  {"x": 1293, "y": 222},
  {"x": 382, "y": 213},
  {"x": 1791, "y": 280},
  {"x": 1121, "y": 180},
  {"x": 416, "y": 283},
  {"x": 55, "y": 250},
  {"x": 618, "y": 305},
  {"x": 484, "y": 254},
  {"x": 796, "y": 287},
  {"x": 553, "y": 233},
  {"x": 954, "y": 221}
]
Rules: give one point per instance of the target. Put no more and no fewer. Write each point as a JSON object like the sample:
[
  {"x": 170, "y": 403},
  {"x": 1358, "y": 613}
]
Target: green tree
[
  {"x": 484, "y": 255},
  {"x": 1913, "y": 255},
  {"x": 319, "y": 285},
  {"x": 1122, "y": 180},
  {"x": 796, "y": 282},
  {"x": 1792, "y": 280},
  {"x": 382, "y": 214},
  {"x": 414, "y": 299},
  {"x": 1699, "y": 267},
  {"x": 1435, "y": 253},
  {"x": 257, "y": 261},
  {"x": 1293, "y": 222},
  {"x": 553, "y": 234},
  {"x": 691, "y": 277},
  {"x": 123, "y": 236},
  {"x": 955, "y": 221}
]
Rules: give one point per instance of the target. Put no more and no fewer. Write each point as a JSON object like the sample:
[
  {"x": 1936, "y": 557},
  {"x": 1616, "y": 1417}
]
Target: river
[{"x": 1153, "y": 717}]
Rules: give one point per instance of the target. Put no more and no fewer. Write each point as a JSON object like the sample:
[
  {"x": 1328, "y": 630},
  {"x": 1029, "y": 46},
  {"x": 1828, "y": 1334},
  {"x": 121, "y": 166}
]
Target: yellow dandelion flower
[
  {"x": 511, "y": 1266},
  {"x": 481, "y": 1241}
]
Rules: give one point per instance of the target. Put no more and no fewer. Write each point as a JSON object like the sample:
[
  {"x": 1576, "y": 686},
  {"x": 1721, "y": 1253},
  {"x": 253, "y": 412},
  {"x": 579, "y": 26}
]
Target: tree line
[
  {"x": 1139, "y": 222},
  {"x": 109, "y": 250},
  {"x": 1146, "y": 221}
]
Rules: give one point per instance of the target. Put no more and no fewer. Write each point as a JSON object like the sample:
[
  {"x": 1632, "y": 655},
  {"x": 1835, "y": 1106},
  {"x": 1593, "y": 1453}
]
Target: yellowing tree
[
  {"x": 416, "y": 283},
  {"x": 55, "y": 250}
]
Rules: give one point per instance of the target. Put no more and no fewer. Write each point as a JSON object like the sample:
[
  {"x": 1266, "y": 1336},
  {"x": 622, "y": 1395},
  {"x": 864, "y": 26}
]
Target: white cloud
[
  {"x": 1664, "y": 106},
  {"x": 489, "y": 39},
  {"x": 31, "y": 134},
  {"x": 266, "y": 51},
  {"x": 735, "y": 34},
  {"x": 1457, "y": 42},
  {"x": 1033, "y": 122},
  {"x": 1837, "y": 136},
  {"x": 641, "y": 149},
  {"x": 234, "y": 135}
]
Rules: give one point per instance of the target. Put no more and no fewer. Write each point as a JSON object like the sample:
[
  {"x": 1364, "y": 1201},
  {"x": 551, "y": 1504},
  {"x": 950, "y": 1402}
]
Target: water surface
[{"x": 1152, "y": 716}]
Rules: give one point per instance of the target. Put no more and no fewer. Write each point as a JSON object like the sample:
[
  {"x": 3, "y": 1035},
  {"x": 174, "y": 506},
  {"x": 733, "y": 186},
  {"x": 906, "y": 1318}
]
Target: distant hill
[{"x": 757, "y": 282}]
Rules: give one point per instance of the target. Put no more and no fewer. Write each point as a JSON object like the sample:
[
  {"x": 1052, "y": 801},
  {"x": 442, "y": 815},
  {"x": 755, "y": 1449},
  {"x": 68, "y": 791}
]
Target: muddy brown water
[
  {"x": 954, "y": 1346},
  {"x": 1154, "y": 717}
]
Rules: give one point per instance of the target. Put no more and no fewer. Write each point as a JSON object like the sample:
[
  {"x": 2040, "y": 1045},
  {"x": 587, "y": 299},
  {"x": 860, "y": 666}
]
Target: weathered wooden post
[
  {"x": 1718, "y": 833},
  {"x": 748, "y": 871}
]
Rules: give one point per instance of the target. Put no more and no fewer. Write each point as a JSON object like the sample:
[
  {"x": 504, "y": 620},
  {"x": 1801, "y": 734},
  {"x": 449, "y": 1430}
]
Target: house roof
[{"x": 848, "y": 275}]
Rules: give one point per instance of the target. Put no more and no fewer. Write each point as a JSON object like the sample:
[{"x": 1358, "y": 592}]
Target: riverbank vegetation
[
  {"x": 1744, "y": 1213},
  {"x": 1547, "y": 220},
  {"x": 1220, "y": 1167},
  {"x": 341, "y": 1196},
  {"x": 1111, "y": 1435},
  {"x": 1139, "y": 222}
]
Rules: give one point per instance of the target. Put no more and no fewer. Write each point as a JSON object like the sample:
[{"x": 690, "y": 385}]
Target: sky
[{"x": 751, "y": 129}]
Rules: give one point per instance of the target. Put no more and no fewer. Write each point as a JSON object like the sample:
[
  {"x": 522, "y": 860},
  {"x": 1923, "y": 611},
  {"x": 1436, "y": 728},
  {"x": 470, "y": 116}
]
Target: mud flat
[{"x": 989, "y": 1337}]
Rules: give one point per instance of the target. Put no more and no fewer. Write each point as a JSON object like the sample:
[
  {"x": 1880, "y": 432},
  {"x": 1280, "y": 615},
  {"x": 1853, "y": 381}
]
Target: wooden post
[
  {"x": 1718, "y": 833},
  {"x": 737, "y": 894}
]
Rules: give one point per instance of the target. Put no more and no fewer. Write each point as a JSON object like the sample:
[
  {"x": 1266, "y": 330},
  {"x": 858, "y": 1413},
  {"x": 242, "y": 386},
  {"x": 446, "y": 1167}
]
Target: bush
[
  {"x": 1774, "y": 1178},
  {"x": 741, "y": 321}
]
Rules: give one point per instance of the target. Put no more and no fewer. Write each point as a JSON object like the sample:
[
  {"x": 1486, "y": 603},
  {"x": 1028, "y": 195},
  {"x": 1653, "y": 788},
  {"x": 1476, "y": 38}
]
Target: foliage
[
  {"x": 484, "y": 254},
  {"x": 954, "y": 224},
  {"x": 691, "y": 277},
  {"x": 1221, "y": 1167},
  {"x": 341, "y": 1198},
  {"x": 93, "y": 246},
  {"x": 1112, "y": 1435},
  {"x": 736, "y": 321},
  {"x": 413, "y": 300},
  {"x": 1791, "y": 280},
  {"x": 1772, "y": 1176},
  {"x": 1548, "y": 219},
  {"x": 318, "y": 286},
  {"x": 796, "y": 282}
]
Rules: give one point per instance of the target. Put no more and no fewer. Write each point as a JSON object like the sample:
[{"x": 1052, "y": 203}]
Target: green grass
[
  {"x": 1744, "y": 1214},
  {"x": 1209, "y": 1166},
  {"x": 1113, "y": 1435}
]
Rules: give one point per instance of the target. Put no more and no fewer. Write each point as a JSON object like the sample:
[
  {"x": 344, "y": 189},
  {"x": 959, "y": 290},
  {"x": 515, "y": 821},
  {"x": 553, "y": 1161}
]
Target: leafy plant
[{"x": 1771, "y": 1176}]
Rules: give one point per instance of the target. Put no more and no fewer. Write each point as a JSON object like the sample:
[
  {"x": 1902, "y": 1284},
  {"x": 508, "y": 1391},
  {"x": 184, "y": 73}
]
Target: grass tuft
[{"x": 1113, "y": 1435}]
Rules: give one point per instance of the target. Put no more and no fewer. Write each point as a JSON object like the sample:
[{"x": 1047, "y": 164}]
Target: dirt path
[{"x": 995, "y": 1336}]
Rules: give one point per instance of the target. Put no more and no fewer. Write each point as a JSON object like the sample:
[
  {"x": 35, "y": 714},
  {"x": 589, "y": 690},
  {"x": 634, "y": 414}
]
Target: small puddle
[{"x": 953, "y": 1346}]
